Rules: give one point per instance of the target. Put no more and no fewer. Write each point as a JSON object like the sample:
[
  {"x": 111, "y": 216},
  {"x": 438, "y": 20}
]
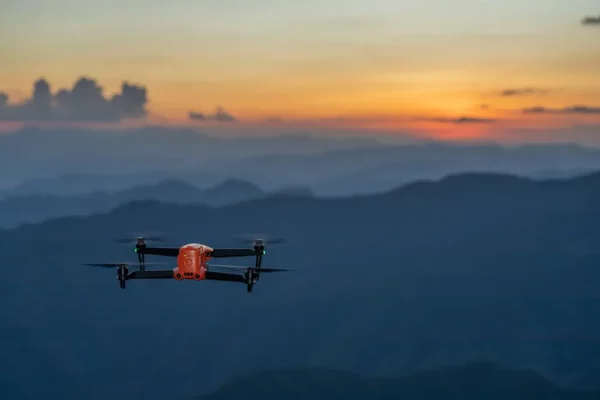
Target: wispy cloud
[
  {"x": 576, "y": 109},
  {"x": 196, "y": 116},
  {"x": 220, "y": 115},
  {"x": 275, "y": 120},
  {"x": 460, "y": 120},
  {"x": 591, "y": 20},
  {"x": 522, "y": 92}
]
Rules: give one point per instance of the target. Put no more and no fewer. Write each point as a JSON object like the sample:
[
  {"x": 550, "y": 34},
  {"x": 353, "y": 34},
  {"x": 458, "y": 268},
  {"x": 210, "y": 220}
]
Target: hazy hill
[
  {"x": 77, "y": 184},
  {"x": 472, "y": 381},
  {"x": 104, "y": 160},
  {"x": 371, "y": 169},
  {"x": 472, "y": 267},
  {"x": 295, "y": 191},
  {"x": 34, "y": 152},
  {"x": 15, "y": 210}
]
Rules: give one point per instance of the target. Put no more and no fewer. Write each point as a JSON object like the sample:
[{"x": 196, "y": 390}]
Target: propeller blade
[
  {"x": 242, "y": 268},
  {"x": 275, "y": 270},
  {"x": 124, "y": 264},
  {"x": 155, "y": 239},
  {"x": 136, "y": 236},
  {"x": 265, "y": 238},
  {"x": 105, "y": 265},
  {"x": 148, "y": 264},
  {"x": 133, "y": 240},
  {"x": 229, "y": 266}
]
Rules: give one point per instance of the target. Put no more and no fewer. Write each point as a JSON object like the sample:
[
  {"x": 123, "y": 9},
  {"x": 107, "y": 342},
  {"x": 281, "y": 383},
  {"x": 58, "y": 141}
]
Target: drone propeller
[
  {"x": 245, "y": 268},
  {"x": 146, "y": 238},
  {"x": 263, "y": 238},
  {"x": 122, "y": 264},
  {"x": 137, "y": 236}
]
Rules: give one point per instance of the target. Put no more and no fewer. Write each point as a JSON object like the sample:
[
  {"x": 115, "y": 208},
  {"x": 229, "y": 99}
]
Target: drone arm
[
  {"x": 159, "y": 251},
  {"x": 223, "y": 253},
  {"x": 210, "y": 275},
  {"x": 150, "y": 275}
]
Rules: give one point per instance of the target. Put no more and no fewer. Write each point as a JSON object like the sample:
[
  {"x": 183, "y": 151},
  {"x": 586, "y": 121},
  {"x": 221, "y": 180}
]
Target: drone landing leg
[
  {"x": 141, "y": 261},
  {"x": 257, "y": 265},
  {"x": 250, "y": 282},
  {"x": 258, "y": 261},
  {"x": 122, "y": 276}
]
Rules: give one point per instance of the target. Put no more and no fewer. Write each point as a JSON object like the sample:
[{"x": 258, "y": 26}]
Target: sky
[{"x": 451, "y": 69}]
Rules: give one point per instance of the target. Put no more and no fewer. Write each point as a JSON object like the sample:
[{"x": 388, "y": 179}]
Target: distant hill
[
  {"x": 35, "y": 152},
  {"x": 78, "y": 184},
  {"x": 376, "y": 168},
  {"x": 472, "y": 381},
  {"x": 103, "y": 161},
  {"x": 295, "y": 191},
  {"x": 562, "y": 174},
  {"x": 15, "y": 210},
  {"x": 435, "y": 273}
]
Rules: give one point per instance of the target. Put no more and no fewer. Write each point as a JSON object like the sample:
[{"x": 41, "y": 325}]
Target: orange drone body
[{"x": 191, "y": 262}]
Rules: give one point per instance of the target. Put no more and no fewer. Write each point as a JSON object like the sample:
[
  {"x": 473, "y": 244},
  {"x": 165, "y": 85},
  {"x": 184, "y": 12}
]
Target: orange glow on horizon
[{"x": 425, "y": 127}]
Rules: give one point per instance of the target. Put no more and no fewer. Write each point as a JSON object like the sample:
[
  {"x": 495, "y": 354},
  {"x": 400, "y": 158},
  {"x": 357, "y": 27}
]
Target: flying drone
[{"x": 193, "y": 262}]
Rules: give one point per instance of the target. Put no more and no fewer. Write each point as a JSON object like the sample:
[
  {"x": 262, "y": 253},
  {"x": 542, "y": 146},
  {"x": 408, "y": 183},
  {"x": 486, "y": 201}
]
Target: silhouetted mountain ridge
[
  {"x": 15, "y": 210},
  {"x": 497, "y": 182},
  {"x": 471, "y": 381}
]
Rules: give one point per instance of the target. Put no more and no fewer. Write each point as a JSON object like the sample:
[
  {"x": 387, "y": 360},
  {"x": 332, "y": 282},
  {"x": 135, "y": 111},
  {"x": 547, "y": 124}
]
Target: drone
[{"x": 193, "y": 262}]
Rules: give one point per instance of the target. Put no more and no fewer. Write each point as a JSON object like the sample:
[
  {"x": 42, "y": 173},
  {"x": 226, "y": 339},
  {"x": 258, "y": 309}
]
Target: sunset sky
[{"x": 420, "y": 65}]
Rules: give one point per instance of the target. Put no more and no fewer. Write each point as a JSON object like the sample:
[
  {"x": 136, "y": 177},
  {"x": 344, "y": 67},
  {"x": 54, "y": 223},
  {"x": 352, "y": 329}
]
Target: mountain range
[
  {"x": 470, "y": 267},
  {"x": 108, "y": 161},
  {"x": 30, "y": 208},
  {"x": 35, "y": 152},
  {"x": 472, "y": 381}
]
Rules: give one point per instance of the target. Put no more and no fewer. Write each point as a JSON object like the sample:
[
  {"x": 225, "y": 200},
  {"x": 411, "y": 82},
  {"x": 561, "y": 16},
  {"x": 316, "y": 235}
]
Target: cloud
[
  {"x": 16, "y": 95},
  {"x": 521, "y": 92},
  {"x": 220, "y": 115},
  {"x": 196, "y": 116},
  {"x": 591, "y": 20},
  {"x": 462, "y": 120},
  {"x": 576, "y": 109},
  {"x": 85, "y": 101},
  {"x": 275, "y": 120}
]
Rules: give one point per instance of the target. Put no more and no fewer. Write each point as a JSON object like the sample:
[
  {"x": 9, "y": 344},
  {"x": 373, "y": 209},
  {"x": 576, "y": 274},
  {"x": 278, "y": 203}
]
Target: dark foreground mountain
[
  {"x": 15, "y": 210},
  {"x": 469, "y": 382},
  {"x": 436, "y": 273}
]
